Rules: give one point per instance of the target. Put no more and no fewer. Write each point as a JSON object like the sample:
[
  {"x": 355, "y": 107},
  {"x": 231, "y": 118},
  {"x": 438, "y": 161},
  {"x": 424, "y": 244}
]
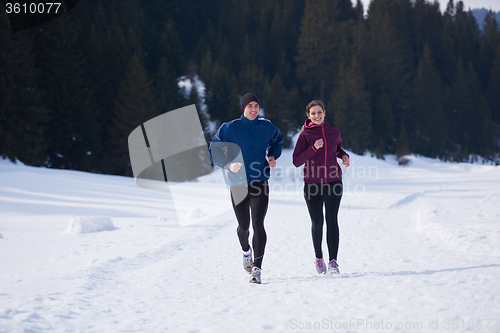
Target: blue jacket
[{"x": 253, "y": 138}]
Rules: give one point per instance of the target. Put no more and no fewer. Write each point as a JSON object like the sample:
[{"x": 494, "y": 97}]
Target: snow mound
[
  {"x": 1, "y": 236},
  {"x": 88, "y": 224},
  {"x": 168, "y": 221},
  {"x": 165, "y": 219},
  {"x": 196, "y": 213}
]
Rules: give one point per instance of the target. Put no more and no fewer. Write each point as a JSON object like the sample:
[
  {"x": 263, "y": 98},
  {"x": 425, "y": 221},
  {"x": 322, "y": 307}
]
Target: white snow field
[{"x": 419, "y": 252}]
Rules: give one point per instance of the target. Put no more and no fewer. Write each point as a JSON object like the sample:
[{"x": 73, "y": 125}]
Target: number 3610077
[{"x": 33, "y": 8}]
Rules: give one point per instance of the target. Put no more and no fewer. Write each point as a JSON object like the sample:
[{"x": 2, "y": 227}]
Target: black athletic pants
[
  {"x": 329, "y": 195},
  {"x": 255, "y": 206}
]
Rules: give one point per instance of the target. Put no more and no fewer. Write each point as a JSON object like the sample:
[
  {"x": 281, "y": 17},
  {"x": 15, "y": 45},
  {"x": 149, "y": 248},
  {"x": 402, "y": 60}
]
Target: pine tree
[
  {"x": 250, "y": 79},
  {"x": 131, "y": 18},
  {"x": 283, "y": 37},
  {"x": 351, "y": 108},
  {"x": 460, "y": 105},
  {"x": 77, "y": 69},
  {"x": 280, "y": 107},
  {"x": 426, "y": 25},
  {"x": 447, "y": 60},
  {"x": 118, "y": 49},
  {"x": 490, "y": 43},
  {"x": 102, "y": 76},
  {"x": 133, "y": 106},
  {"x": 467, "y": 32},
  {"x": 220, "y": 83},
  {"x": 320, "y": 36},
  {"x": 68, "y": 96},
  {"x": 359, "y": 41},
  {"x": 277, "y": 38},
  {"x": 389, "y": 62},
  {"x": 384, "y": 125},
  {"x": 108, "y": 68},
  {"x": 359, "y": 9},
  {"x": 473, "y": 118},
  {"x": 267, "y": 54},
  {"x": 493, "y": 88},
  {"x": 402, "y": 144},
  {"x": 22, "y": 115},
  {"x": 171, "y": 66},
  {"x": 166, "y": 90},
  {"x": 171, "y": 49},
  {"x": 428, "y": 108}
]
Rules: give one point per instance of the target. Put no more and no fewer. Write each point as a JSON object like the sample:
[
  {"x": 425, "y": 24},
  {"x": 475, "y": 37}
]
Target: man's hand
[
  {"x": 234, "y": 167},
  {"x": 272, "y": 161}
]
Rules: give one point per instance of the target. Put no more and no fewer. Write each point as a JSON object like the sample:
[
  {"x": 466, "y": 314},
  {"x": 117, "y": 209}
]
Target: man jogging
[{"x": 255, "y": 137}]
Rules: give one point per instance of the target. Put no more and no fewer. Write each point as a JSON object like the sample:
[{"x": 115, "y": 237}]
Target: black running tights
[
  {"x": 254, "y": 205},
  {"x": 329, "y": 195}
]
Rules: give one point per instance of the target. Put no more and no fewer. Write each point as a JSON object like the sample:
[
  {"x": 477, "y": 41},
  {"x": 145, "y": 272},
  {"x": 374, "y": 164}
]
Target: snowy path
[{"x": 419, "y": 251}]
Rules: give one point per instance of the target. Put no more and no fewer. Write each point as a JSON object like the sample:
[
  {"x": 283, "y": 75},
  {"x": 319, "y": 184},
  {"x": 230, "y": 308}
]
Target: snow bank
[
  {"x": 419, "y": 251},
  {"x": 88, "y": 224},
  {"x": 196, "y": 213}
]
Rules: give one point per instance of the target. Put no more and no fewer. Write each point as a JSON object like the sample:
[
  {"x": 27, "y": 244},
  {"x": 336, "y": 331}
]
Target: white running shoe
[
  {"x": 333, "y": 267},
  {"x": 255, "y": 276},
  {"x": 320, "y": 266},
  {"x": 248, "y": 262}
]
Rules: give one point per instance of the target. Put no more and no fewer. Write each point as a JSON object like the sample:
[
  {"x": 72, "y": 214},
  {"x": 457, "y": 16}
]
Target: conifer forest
[{"x": 398, "y": 77}]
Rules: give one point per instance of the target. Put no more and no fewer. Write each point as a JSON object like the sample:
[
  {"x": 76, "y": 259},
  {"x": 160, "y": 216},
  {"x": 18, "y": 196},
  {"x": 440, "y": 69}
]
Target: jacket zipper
[{"x": 326, "y": 148}]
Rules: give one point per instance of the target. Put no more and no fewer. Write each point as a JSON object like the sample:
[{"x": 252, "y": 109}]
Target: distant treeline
[
  {"x": 405, "y": 78},
  {"x": 480, "y": 15}
]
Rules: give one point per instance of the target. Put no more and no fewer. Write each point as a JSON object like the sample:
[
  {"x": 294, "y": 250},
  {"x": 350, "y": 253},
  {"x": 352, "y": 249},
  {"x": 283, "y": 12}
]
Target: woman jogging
[
  {"x": 319, "y": 146},
  {"x": 255, "y": 138}
]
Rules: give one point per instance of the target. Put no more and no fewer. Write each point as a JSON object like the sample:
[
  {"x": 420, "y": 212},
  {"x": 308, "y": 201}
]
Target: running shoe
[
  {"x": 255, "y": 276},
  {"x": 333, "y": 267},
  {"x": 248, "y": 262},
  {"x": 320, "y": 266}
]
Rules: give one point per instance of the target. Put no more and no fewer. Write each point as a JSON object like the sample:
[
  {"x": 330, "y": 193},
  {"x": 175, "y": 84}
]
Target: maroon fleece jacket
[{"x": 321, "y": 164}]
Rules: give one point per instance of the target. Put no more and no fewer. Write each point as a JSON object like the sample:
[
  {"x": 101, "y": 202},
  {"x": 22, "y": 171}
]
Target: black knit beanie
[{"x": 246, "y": 99}]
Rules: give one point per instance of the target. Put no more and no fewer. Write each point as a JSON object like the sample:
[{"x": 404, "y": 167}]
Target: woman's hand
[
  {"x": 318, "y": 144},
  {"x": 234, "y": 167},
  {"x": 346, "y": 161}
]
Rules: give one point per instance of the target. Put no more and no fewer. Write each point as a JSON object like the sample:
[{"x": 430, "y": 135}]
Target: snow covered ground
[{"x": 419, "y": 251}]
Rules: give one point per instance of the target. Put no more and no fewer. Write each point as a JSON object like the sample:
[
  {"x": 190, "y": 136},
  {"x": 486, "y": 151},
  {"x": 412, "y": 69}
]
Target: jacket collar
[
  {"x": 309, "y": 124},
  {"x": 249, "y": 122}
]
